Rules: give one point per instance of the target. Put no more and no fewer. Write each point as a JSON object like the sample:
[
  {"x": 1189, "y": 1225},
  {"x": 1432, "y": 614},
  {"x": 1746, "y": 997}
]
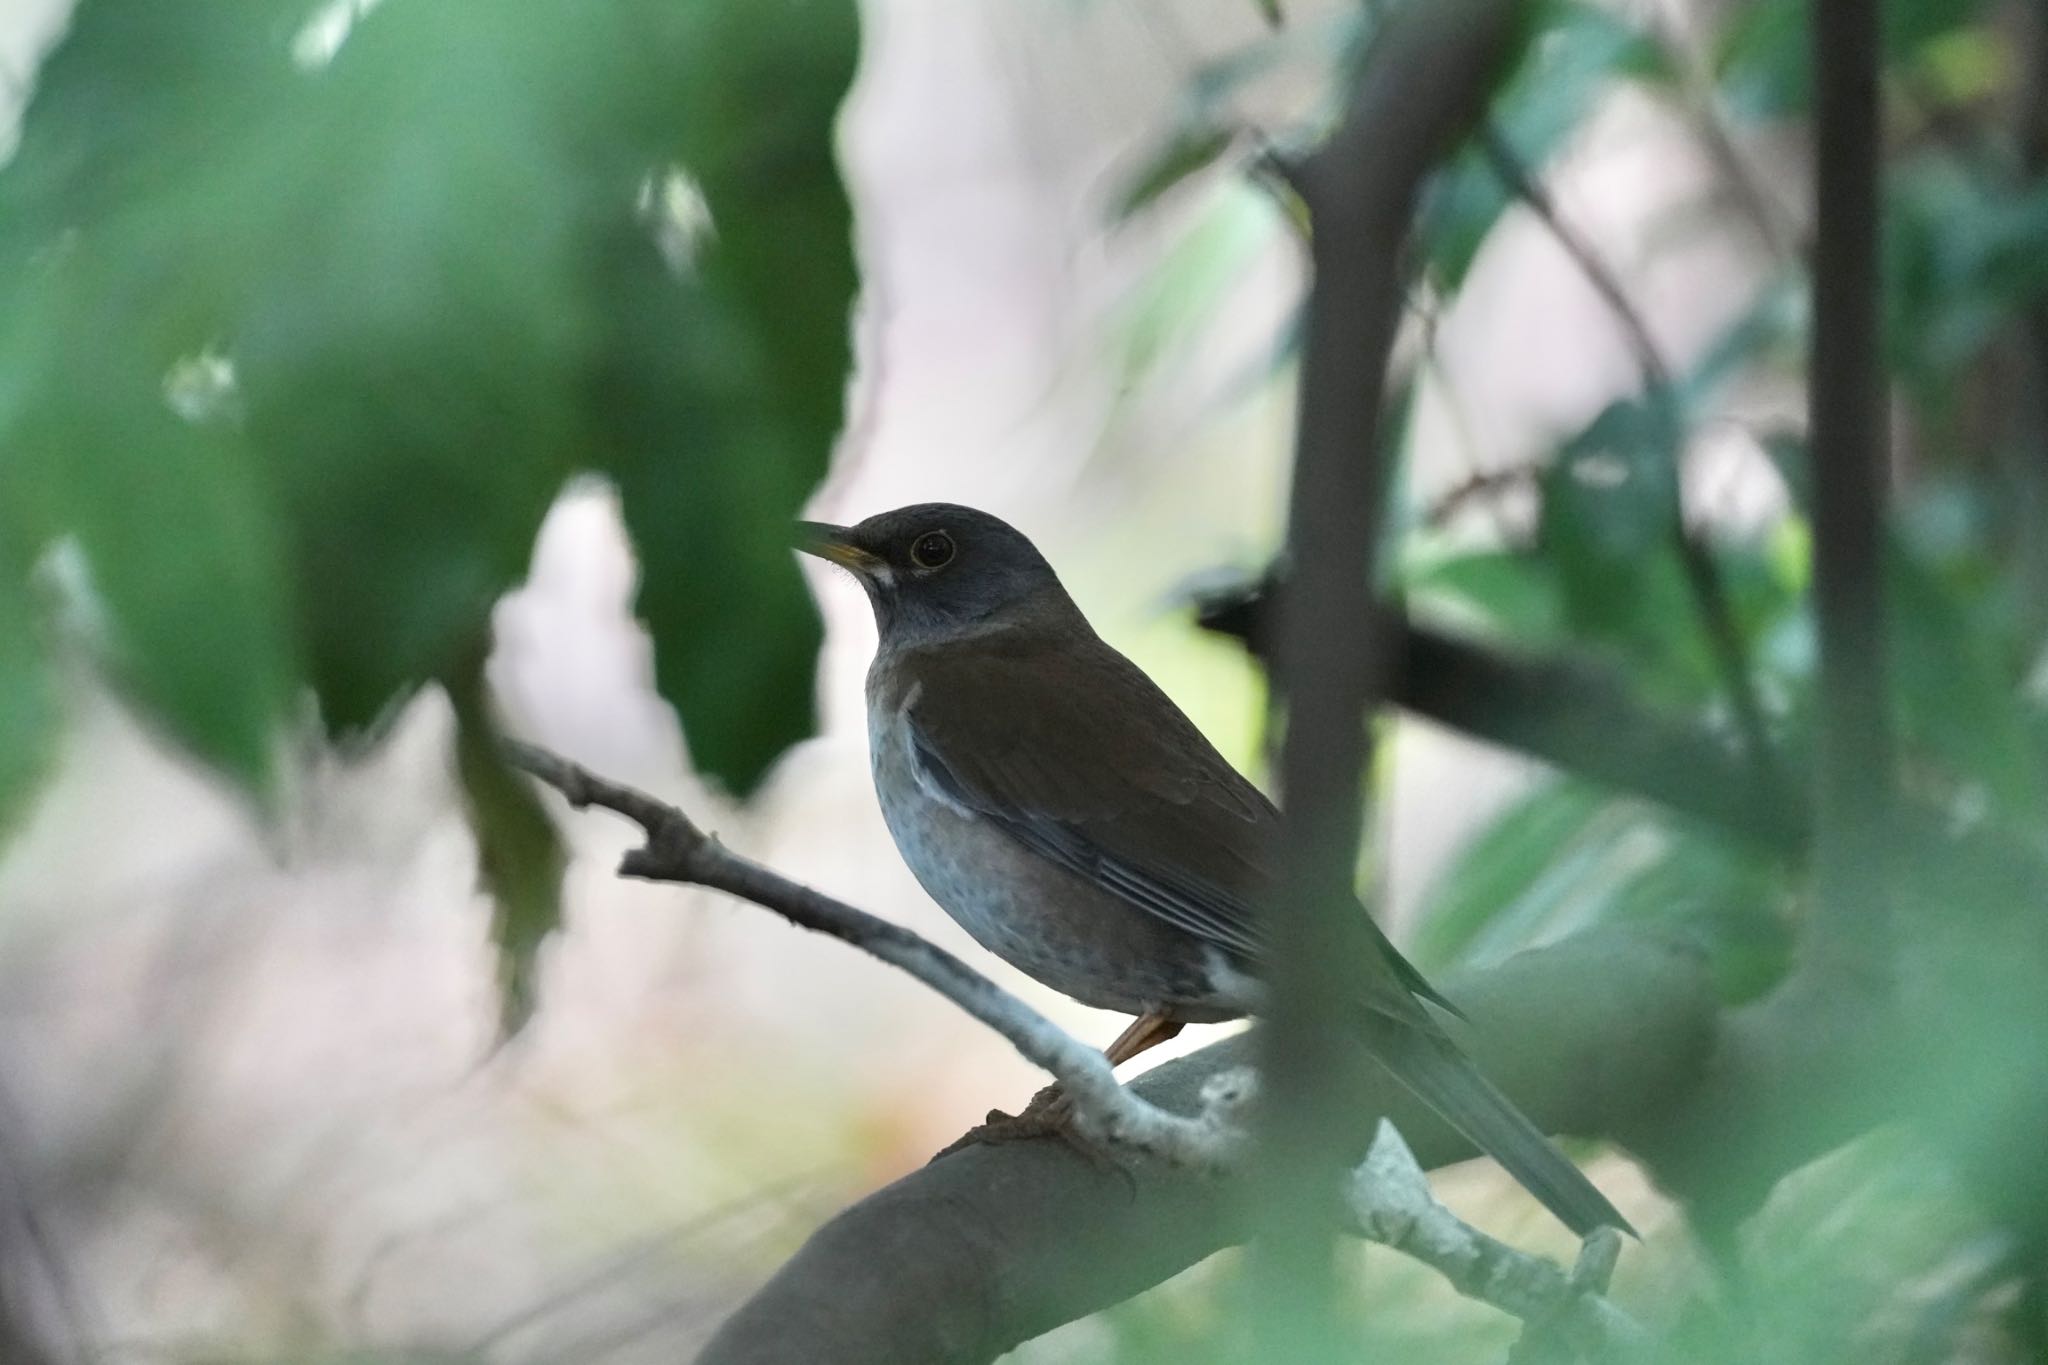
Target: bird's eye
[{"x": 932, "y": 550}]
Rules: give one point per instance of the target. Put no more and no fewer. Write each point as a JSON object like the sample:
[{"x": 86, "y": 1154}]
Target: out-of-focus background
[{"x": 253, "y": 1099}]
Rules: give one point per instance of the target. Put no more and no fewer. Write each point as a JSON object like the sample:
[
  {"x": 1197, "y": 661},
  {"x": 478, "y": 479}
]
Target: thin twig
[
  {"x": 1480, "y": 483},
  {"x": 1507, "y": 164},
  {"x": 1387, "y": 1198},
  {"x": 1390, "y": 1203},
  {"x": 1702, "y": 575},
  {"x": 677, "y": 851},
  {"x": 1703, "y": 113},
  {"x": 75, "y": 1318}
]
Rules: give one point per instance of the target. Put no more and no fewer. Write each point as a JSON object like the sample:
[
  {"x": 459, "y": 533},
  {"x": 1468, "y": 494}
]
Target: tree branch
[
  {"x": 1573, "y": 715},
  {"x": 1431, "y": 69},
  {"x": 987, "y": 1247},
  {"x": 1391, "y": 1203},
  {"x": 1387, "y": 1197},
  {"x": 677, "y": 851},
  {"x": 1850, "y": 930}
]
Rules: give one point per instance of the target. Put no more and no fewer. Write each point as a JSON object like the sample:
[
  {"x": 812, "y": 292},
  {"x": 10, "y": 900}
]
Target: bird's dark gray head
[{"x": 938, "y": 568}]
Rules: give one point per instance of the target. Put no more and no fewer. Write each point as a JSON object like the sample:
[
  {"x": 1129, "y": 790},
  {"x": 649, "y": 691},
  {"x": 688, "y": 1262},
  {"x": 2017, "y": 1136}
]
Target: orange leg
[
  {"x": 1147, "y": 1031},
  {"x": 1050, "y": 1110}
]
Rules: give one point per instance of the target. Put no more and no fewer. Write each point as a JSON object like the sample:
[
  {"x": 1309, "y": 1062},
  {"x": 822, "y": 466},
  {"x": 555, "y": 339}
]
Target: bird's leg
[
  {"x": 1147, "y": 1031},
  {"x": 1051, "y": 1111}
]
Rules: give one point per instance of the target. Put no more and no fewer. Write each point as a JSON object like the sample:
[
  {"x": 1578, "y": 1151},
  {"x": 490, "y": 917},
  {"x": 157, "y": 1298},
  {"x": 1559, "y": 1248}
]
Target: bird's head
[{"x": 938, "y": 568}]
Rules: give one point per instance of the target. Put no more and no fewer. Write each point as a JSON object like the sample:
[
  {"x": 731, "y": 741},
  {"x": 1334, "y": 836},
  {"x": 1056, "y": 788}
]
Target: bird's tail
[{"x": 1445, "y": 1079}]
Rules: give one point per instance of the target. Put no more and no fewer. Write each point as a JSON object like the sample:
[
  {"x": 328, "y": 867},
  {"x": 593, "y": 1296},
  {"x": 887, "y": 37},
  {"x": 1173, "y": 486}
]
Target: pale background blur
[{"x": 250, "y": 1094}]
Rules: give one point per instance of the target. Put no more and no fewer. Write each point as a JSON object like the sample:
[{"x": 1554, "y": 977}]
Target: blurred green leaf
[
  {"x": 1569, "y": 856},
  {"x": 1763, "y": 61},
  {"x": 1960, "y": 692},
  {"x": 1979, "y": 62},
  {"x": 1607, "y": 523},
  {"x": 1726, "y": 899},
  {"x": 1509, "y": 876},
  {"x": 1847, "y": 1247},
  {"x": 412, "y": 368},
  {"x": 1575, "y": 55},
  {"x": 1963, "y": 255},
  {"x": 1179, "y": 296},
  {"x": 1506, "y": 593},
  {"x": 177, "y": 534},
  {"x": 1187, "y": 151},
  {"x": 520, "y": 856},
  {"x": 1770, "y": 332},
  {"x": 421, "y": 270},
  {"x": 1611, "y": 493},
  {"x": 717, "y": 419},
  {"x": 28, "y": 698}
]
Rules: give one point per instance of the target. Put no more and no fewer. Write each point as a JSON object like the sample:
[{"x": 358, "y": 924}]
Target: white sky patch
[
  {"x": 315, "y": 44},
  {"x": 674, "y": 208},
  {"x": 201, "y": 387},
  {"x": 64, "y": 575}
]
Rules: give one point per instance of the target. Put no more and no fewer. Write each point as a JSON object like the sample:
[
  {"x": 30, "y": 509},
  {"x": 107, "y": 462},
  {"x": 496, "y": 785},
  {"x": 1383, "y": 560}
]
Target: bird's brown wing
[
  {"x": 1080, "y": 756},
  {"x": 1124, "y": 790}
]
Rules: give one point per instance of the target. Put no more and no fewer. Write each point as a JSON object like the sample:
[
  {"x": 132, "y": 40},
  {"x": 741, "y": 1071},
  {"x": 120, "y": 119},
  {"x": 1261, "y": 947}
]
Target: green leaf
[
  {"x": 1764, "y": 59},
  {"x": 440, "y": 274},
  {"x": 1771, "y": 331},
  {"x": 1963, "y": 256},
  {"x": 1511, "y": 875},
  {"x": 1608, "y": 517},
  {"x": 1609, "y": 527},
  {"x": 1612, "y": 494},
  {"x": 1187, "y": 151},
  {"x": 175, "y": 528},
  {"x": 1731, "y": 902},
  {"x": 719, "y": 393},
  {"x": 414, "y": 369},
  {"x": 29, "y": 712},
  {"x": 1506, "y": 592},
  {"x": 1960, "y": 692},
  {"x": 1179, "y": 296},
  {"x": 185, "y": 559},
  {"x": 520, "y": 856},
  {"x": 1569, "y": 856}
]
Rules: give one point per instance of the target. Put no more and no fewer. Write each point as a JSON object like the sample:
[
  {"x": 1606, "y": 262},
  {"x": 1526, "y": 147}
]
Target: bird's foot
[{"x": 1049, "y": 1115}]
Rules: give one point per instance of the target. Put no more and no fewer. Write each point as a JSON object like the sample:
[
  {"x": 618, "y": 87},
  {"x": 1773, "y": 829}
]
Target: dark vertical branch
[
  {"x": 1850, "y": 928},
  {"x": 1426, "y": 83}
]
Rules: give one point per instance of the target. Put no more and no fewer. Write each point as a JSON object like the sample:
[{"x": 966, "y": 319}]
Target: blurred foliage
[
  {"x": 301, "y": 344},
  {"x": 520, "y": 854},
  {"x": 1965, "y": 243},
  {"x": 1881, "y": 1249},
  {"x": 28, "y": 703},
  {"x": 1763, "y": 59},
  {"x": 308, "y": 312},
  {"x": 306, "y": 317}
]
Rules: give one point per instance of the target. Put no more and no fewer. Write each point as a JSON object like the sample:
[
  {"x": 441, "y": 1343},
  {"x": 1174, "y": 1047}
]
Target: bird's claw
[{"x": 1049, "y": 1115}]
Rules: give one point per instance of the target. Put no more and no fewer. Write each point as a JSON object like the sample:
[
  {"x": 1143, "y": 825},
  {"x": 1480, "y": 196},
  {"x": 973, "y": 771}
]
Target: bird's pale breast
[{"x": 1059, "y": 929}]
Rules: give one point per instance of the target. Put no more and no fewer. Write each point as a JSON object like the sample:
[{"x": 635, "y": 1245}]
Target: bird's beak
[{"x": 830, "y": 542}]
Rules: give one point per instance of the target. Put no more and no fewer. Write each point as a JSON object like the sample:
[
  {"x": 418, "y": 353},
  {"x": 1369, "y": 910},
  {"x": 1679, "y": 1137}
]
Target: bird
[{"x": 1059, "y": 806}]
